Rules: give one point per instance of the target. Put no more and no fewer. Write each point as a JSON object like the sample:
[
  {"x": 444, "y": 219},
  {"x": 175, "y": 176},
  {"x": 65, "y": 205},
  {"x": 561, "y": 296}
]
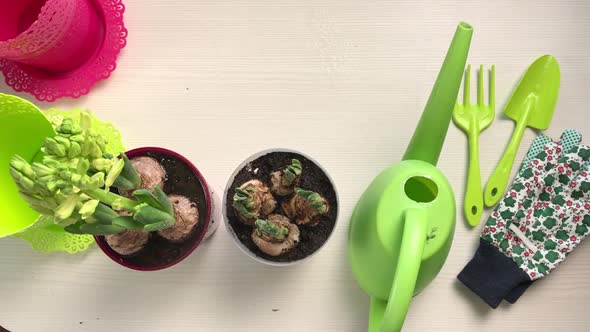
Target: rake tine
[
  {"x": 493, "y": 88},
  {"x": 480, "y": 86},
  {"x": 466, "y": 84}
]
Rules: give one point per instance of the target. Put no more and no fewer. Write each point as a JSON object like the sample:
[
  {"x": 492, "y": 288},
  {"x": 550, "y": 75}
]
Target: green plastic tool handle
[
  {"x": 406, "y": 272},
  {"x": 473, "y": 204},
  {"x": 499, "y": 179}
]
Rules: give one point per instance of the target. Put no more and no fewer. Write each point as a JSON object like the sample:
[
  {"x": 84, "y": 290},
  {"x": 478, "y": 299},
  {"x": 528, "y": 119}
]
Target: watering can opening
[{"x": 421, "y": 189}]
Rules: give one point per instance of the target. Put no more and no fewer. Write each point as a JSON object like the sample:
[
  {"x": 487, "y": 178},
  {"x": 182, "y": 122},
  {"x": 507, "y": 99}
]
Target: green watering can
[{"x": 403, "y": 225}]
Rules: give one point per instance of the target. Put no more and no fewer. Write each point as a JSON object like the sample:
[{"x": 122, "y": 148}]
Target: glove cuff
[{"x": 491, "y": 275}]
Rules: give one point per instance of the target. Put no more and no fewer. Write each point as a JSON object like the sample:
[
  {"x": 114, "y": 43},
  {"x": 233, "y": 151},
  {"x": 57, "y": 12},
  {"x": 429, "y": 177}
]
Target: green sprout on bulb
[
  {"x": 315, "y": 200},
  {"x": 268, "y": 228},
  {"x": 292, "y": 172}
]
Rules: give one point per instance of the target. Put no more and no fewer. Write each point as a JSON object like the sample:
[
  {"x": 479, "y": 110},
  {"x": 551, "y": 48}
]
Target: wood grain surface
[{"x": 343, "y": 81}]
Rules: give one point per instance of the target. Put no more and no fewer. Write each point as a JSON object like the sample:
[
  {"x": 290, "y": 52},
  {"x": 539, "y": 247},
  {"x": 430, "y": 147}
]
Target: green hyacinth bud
[
  {"x": 102, "y": 164},
  {"x": 66, "y": 208},
  {"x": 74, "y": 150},
  {"x": 88, "y": 208},
  {"x": 52, "y": 147}
]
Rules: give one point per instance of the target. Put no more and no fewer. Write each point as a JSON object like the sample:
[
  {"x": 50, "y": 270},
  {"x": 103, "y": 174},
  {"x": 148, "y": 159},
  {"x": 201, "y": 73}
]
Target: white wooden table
[{"x": 344, "y": 81}]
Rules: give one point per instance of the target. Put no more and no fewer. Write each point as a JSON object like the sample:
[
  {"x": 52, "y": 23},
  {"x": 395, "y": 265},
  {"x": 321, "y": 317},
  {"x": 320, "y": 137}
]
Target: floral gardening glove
[
  {"x": 569, "y": 139},
  {"x": 537, "y": 224}
]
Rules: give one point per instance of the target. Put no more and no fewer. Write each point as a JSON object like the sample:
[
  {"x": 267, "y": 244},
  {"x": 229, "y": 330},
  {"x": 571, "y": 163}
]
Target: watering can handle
[{"x": 406, "y": 272}]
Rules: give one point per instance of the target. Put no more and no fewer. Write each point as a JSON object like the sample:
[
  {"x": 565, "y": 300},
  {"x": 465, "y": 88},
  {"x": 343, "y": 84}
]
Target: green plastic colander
[{"x": 23, "y": 129}]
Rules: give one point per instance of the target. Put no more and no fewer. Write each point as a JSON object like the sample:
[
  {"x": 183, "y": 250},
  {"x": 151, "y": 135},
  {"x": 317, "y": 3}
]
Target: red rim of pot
[{"x": 117, "y": 258}]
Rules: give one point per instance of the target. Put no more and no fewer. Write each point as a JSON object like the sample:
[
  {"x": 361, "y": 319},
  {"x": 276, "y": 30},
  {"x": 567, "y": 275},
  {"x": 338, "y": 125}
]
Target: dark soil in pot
[
  {"x": 313, "y": 178},
  {"x": 160, "y": 252}
]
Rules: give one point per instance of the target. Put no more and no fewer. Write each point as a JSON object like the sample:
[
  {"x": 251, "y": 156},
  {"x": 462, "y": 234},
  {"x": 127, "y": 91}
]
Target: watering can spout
[{"x": 430, "y": 133}]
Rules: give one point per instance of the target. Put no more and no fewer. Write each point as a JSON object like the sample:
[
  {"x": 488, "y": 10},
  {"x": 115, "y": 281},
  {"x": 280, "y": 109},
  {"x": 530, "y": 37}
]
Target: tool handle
[
  {"x": 499, "y": 179},
  {"x": 406, "y": 271},
  {"x": 473, "y": 204}
]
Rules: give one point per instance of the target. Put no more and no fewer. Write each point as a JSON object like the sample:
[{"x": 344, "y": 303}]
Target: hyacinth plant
[
  {"x": 315, "y": 200},
  {"x": 269, "y": 229},
  {"x": 292, "y": 172},
  {"x": 72, "y": 184}
]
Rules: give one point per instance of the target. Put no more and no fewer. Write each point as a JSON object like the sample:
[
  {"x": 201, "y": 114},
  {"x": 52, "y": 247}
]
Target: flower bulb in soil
[
  {"x": 284, "y": 181},
  {"x": 274, "y": 246},
  {"x": 186, "y": 215},
  {"x": 150, "y": 171},
  {"x": 128, "y": 242},
  {"x": 298, "y": 209},
  {"x": 263, "y": 203}
]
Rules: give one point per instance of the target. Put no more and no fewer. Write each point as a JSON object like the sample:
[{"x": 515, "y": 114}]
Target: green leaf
[
  {"x": 550, "y": 245},
  {"x": 104, "y": 214},
  {"x": 585, "y": 186},
  {"x": 528, "y": 173},
  {"x": 577, "y": 194},
  {"x": 506, "y": 215},
  {"x": 146, "y": 196},
  {"x": 561, "y": 235},
  {"x": 509, "y": 201},
  {"x": 499, "y": 236},
  {"x": 537, "y": 256},
  {"x": 527, "y": 203},
  {"x": 487, "y": 238},
  {"x": 129, "y": 178},
  {"x": 586, "y": 220},
  {"x": 552, "y": 256},
  {"x": 564, "y": 179},
  {"x": 542, "y": 268},
  {"x": 504, "y": 244},
  {"x": 559, "y": 200},
  {"x": 539, "y": 236},
  {"x": 548, "y": 211},
  {"x": 518, "y": 250},
  {"x": 581, "y": 229},
  {"x": 549, "y": 223},
  {"x": 146, "y": 215},
  {"x": 114, "y": 173},
  {"x": 575, "y": 166},
  {"x": 538, "y": 212},
  {"x": 584, "y": 153},
  {"x": 517, "y": 186},
  {"x": 542, "y": 155},
  {"x": 270, "y": 229},
  {"x": 544, "y": 197},
  {"x": 243, "y": 203},
  {"x": 292, "y": 172},
  {"x": 127, "y": 222},
  {"x": 315, "y": 200},
  {"x": 100, "y": 229},
  {"x": 75, "y": 228},
  {"x": 549, "y": 179},
  {"x": 518, "y": 260},
  {"x": 164, "y": 200}
]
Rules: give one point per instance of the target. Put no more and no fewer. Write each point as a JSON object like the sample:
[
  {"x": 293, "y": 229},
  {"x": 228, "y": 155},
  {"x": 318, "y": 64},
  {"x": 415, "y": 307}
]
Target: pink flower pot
[
  {"x": 57, "y": 48},
  {"x": 189, "y": 182}
]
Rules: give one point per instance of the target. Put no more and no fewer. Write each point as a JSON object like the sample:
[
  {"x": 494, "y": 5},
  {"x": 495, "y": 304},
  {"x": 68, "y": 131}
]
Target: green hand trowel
[
  {"x": 402, "y": 227},
  {"x": 531, "y": 105}
]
